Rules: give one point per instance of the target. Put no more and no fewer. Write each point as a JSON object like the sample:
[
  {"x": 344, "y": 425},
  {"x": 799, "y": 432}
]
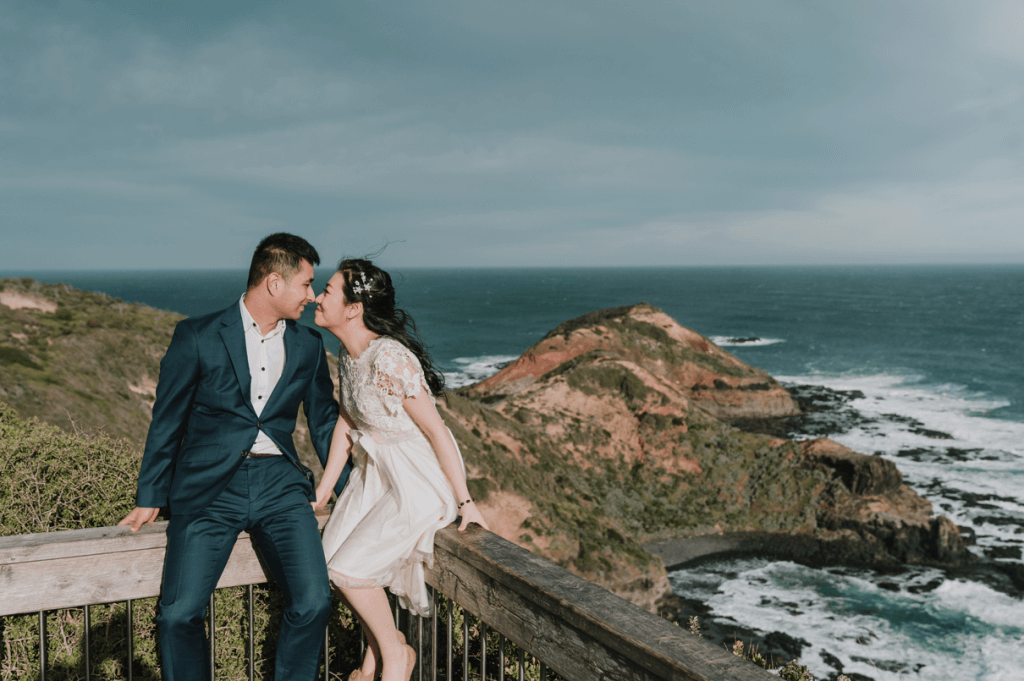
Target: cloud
[{"x": 484, "y": 132}]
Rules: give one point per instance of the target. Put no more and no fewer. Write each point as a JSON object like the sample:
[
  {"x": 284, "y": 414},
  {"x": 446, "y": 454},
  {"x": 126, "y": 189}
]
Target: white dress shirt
[{"x": 266, "y": 362}]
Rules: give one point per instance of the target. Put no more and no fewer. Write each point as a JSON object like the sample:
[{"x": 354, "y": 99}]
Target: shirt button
[
  {"x": 263, "y": 368},
  {"x": 260, "y": 397}
]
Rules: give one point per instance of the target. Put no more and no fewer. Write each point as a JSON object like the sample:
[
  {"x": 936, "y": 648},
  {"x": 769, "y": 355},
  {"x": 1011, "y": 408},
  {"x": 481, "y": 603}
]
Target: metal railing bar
[
  {"x": 327, "y": 653},
  {"x": 213, "y": 641},
  {"x": 85, "y": 656},
  {"x": 433, "y": 635},
  {"x": 501, "y": 657},
  {"x": 131, "y": 641},
  {"x": 42, "y": 645},
  {"x": 465, "y": 646},
  {"x": 251, "y": 643},
  {"x": 451, "y": 642},
  {"x": 543, "y": 672},
  {"x": 419, "y": 647},
  {"x": 522, "y": 665},
  {"x": 483, "y": 650}
]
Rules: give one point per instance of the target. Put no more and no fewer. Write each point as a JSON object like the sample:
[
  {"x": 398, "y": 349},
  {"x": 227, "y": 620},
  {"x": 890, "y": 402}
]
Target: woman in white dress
[{"x": 408, "y": 479}]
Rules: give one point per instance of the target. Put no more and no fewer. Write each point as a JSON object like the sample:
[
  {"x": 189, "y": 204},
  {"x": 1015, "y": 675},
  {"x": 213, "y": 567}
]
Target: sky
[{"x": 138, "y": 135}]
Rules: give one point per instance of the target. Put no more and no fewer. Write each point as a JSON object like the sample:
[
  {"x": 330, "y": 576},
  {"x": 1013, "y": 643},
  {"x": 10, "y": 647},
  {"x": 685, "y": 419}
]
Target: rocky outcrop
[
  {"x": 869, "y": 517},
  {"x": 697, "y": 369},
  {"x": 614, "y": 432}
]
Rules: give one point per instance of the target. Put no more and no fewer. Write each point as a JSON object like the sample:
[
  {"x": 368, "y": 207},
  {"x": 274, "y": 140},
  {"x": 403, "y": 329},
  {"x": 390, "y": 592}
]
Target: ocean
[{"x": 929, "y": 361}]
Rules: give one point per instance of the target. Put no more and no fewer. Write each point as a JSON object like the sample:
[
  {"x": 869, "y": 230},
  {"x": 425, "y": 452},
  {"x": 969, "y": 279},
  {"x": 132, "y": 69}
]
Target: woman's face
[{"x": 331, "y": 304}]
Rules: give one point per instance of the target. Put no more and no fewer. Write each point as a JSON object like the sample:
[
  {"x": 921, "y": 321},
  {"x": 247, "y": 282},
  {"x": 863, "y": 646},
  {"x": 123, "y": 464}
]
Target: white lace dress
[{"x": 381, "y": 532}]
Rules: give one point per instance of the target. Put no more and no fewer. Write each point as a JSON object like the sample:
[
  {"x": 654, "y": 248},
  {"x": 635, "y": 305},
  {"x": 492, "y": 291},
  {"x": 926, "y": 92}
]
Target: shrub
[
  {"x": 9, "y": 355},
  {"x": 88, "y": 480}
]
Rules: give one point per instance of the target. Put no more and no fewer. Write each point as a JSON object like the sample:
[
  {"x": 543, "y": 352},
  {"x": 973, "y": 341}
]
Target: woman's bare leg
[
  {"x": 369, "y": 666},
  {"x": 373, "y": 610}
]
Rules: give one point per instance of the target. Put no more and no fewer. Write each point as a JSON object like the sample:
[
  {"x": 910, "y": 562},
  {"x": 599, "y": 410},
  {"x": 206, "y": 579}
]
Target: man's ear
[{"x": 273, "y": 283}]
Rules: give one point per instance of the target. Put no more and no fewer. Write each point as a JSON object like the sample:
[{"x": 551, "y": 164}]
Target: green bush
[
  {"x": 79, "y": 481},
  {"x": 9, "y": 355}
]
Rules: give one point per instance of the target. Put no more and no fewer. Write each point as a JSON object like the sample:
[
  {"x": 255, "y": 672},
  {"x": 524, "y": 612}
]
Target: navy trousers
[{"x": 266, "y": 498}]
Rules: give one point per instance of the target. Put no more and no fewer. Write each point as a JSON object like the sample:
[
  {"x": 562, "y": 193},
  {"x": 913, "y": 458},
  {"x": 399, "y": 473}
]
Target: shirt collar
[{"x": 250, "y": 324}]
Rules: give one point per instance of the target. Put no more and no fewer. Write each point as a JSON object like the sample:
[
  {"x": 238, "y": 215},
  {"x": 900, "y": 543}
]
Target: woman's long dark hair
[{"x": 370, "y": 285}]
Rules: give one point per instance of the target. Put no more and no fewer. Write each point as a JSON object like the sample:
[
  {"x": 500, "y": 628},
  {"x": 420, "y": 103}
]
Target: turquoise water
[{"x": 926, "y": 348}]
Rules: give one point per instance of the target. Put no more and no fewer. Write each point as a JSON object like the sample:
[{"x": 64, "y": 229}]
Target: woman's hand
[{"x": 471, "y": 514}]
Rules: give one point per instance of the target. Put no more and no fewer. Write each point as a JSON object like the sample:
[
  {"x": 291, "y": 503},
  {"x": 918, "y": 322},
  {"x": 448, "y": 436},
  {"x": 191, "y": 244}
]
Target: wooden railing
[{"x": 574, "y": 627}]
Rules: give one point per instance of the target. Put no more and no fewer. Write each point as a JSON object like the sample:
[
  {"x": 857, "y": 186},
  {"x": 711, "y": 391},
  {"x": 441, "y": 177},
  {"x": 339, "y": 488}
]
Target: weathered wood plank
[
  {"x": 28, "y": 548},
  {"x": 102, "y": 565},
  {"x": 579, "y": 629}
]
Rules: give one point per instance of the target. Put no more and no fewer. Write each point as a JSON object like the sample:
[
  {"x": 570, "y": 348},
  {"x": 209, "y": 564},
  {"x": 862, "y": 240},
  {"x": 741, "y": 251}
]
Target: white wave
[
  {"x": 958, "y": 630},
  {"x": 746, "y": 342},
  {"x": 476, "y": 369}
]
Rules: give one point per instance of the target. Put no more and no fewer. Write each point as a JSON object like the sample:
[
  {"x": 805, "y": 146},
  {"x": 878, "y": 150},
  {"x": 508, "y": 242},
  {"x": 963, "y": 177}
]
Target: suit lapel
[
  {"x": 292, "y": 361},
  {"x": 233, "y": 336}
]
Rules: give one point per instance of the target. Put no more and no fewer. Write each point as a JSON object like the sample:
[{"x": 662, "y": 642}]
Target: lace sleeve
[{"x": 396, "y": 375}]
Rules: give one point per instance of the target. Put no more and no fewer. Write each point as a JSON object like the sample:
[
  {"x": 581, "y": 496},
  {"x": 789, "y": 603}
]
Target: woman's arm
[
  {"x": 337, "y": 456},
  {"x": 424, "y": 414}
]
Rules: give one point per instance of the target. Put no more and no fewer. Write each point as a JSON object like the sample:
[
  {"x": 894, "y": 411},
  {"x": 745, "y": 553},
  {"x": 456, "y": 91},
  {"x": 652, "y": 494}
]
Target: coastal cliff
[{"x": 610, "y": 439}]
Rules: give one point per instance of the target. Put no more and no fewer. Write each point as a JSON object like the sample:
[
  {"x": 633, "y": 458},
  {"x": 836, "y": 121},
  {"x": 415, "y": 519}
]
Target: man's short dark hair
[{"x": 282, "y": 253}]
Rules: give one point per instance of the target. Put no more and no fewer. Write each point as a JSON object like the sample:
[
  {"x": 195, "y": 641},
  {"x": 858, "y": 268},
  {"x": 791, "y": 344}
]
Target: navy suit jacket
[{"x": 203, "y": 419}]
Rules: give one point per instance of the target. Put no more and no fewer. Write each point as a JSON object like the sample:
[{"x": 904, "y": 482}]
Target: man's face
[{"x": 296, "y": 292}]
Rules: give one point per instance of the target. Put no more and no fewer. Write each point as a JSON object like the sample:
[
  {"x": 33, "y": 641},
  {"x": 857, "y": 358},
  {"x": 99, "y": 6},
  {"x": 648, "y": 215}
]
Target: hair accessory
[
  {"x": 467, "y": 501},
  {"x": 362, "y": 286}
]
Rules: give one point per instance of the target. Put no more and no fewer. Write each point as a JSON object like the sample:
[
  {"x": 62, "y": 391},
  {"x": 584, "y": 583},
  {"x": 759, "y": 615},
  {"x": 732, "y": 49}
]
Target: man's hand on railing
[{"x": 139, "y": 516}]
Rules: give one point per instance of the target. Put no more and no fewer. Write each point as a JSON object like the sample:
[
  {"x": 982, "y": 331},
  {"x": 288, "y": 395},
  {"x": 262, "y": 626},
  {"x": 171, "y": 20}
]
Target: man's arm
[
  {"x": 322, "y": 413},
  {"x": 179, "y": 376}
]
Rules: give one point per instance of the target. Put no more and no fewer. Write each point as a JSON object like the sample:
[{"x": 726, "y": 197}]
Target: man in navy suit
[{"x": 219, "y": 456}]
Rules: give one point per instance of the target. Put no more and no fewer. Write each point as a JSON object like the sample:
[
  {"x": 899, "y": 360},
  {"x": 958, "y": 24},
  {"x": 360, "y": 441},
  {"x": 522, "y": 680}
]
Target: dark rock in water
[
  {"x": 888, "y": 586},
  {"x": 831, "y": 660},
  {"x": 925, "y": 588},
  {"x": 1003, "y": 552},
  {"x": 751, "y": 339},
  {"x": 934, "y": 434},
  {"x": 884, "y": 665},
  {"x": 968, "y": 534},
  {"x": 996, "y": 520},
  {"x": 1007, "y": 578},
  {"x": 788, "y": 645},
  {"x": 1015, "y": 572}
]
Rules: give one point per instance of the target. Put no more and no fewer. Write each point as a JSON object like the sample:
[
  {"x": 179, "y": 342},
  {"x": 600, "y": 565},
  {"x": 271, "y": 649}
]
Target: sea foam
[
  {"x": 746, "y": 342},
  {"x": 474, "y": 369},
  {"x": 957, "y": 630}
]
